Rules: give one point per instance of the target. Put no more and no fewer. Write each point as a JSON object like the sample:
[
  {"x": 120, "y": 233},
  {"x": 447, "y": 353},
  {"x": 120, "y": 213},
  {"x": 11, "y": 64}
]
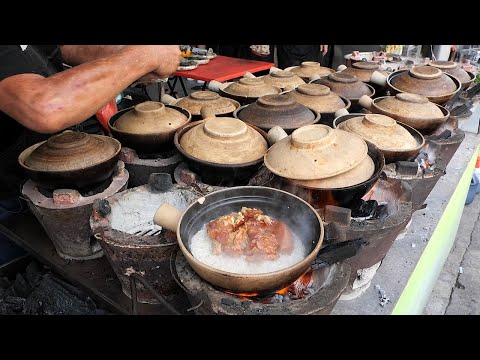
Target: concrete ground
[{"x": 457, "y": 291}]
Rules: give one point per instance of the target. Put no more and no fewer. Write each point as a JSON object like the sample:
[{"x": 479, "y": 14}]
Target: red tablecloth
[{"x": 223, "y": 68}]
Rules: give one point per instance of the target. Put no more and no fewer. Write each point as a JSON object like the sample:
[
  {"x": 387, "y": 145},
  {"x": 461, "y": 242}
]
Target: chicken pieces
[{"x": 251, "y": 233}]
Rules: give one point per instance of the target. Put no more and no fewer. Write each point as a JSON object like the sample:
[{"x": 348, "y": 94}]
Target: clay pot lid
[
  {"x": 150, "y": 117},
  {"x": 424, "y": 80},
  {"x": 283, "y": 78},
  {"x": 251, "y": 87},
  {"x": 224, "y": 140},
  {"x": 72, "y": 150},
  {"x": 315, "y": 152},
  {"x": 310, "y": 68},
  {"x": 381, "y": 130},
  {"x": 409, "y": 105},
  {"x": 425, "y": 72},
  {"x": 277, "y": 110},
  {"x": 443, "y": 64},
  {"x": 366, "y": 65},
  {"x": 196, "y": 100},
  {"x": 453, "y": 69},
  {"x": 318, "y": 97},
  {"x": 342, "y": 77},
  {"x": 360, "y": 173}
]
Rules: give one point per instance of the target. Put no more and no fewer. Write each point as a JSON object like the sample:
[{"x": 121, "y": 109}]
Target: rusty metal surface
[{"x": 94, "y": 276}]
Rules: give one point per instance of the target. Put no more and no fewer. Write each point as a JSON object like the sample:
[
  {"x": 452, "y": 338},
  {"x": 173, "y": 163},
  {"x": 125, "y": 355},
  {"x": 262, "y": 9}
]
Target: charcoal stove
[
  {"x": 140, "y": 166},
  {"x": 426, "y": 169},
  {"x": 123, "y": 225},
  {"x": 315, "y": 293},
  {"x": 64, "y": 213},
  {"x": 379, "y": 217}
]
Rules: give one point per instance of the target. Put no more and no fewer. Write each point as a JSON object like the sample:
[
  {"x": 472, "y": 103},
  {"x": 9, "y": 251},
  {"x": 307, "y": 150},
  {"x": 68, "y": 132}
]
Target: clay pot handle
[
  {"x": 366, "y": 102},
  {"x": 168, "y": 99},
  {"x": 273, "y": 69},
  {"x": 167, "y": 216},
  {"x": 207, "y": 112},
  {"x": 249, "y": 75},
  {"x": 276, "y": 134},
  {"x": 341, "y": 112},
  {"x": 288, "y": 88},
  {"x": 378, "y": 78},
  {"x": 214, "y": 85},
  {"x": 341, "y": 67},
  {"x": 314, "y": 77}
]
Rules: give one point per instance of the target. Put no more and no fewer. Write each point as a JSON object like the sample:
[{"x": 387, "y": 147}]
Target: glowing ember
[{"x": 299, "y": 289}]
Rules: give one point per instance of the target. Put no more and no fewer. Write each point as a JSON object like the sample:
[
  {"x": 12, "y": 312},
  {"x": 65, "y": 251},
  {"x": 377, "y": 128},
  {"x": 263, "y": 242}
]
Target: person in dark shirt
[
  {"x": 37, "y": 98},
  {"x": 294, "y": 55}
]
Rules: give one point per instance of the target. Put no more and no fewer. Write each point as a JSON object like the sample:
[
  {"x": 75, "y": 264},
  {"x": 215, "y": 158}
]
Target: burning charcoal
[
  {"x": 4, "y": 283},
  {"x": 363, "y": 208},
  {"x": 407, "y": 168},
  {"x": 21, "y": 286}
]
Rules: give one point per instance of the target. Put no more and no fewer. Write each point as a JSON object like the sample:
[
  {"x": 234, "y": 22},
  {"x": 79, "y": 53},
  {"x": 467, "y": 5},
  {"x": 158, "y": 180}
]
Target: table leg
[{"x": 183, "y": 86}]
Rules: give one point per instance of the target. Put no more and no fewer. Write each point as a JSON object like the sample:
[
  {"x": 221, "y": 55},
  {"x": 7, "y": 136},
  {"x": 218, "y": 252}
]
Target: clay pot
[
  {"x": 363, "y": 70},
  {"x": 283, "y": 79},
  {"x": 310, "y": 69},
  {"x": 320, "y": 98},
  {"x": 465, "y": 77},
  {"x": 424, "y": 80},
  {"x": 396, "y": 140},
  {"x": 411, "y": 109},
  {"x": 277, "y": 110},
  {"x": 246, "y": 90},
  {"x": 348, "y": 86},
  {"x": 220, "y": 105},
  {"x": 315, "y": 152},
  {"x": 71, "y": 159}
]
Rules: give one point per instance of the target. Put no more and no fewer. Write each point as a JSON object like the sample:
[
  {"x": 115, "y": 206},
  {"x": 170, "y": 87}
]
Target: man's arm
[
  {"x": 47, "y": 105},
  {"x": 79, "y": 54}
]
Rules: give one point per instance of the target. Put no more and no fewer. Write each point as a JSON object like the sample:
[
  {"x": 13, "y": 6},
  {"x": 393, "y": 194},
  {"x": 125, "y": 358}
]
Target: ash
[
  {"x": 37, "y": 291},
  {"x": 384, "y": 299}
]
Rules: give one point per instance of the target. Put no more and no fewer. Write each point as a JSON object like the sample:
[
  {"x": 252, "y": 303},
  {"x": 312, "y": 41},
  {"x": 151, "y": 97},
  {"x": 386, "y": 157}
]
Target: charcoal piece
[
  {"x": 16, "y": 303},
  {"x": 33, "y": 274},
  {"x": 4, "y": 283},
  {"x": 228, "y": 302},
  {"x": 363, "y": 208},
  {"x": 6, "y": 308},
  {"x": 381, "y": 212},
  {"x": 407, "y": 168},
  {"x": 22, "y": 288},
  {"x": 51, "y": 298},
  {"x": 337, "y": 214},
  {"x": 340, "y": 251},
  {"x": 445, "y": 134},
  {"x": 160, "y": 182}
]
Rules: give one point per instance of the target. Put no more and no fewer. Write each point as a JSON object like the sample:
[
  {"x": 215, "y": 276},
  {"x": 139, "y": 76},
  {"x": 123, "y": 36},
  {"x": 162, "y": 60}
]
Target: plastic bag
[{"x": 105, "y": 113}]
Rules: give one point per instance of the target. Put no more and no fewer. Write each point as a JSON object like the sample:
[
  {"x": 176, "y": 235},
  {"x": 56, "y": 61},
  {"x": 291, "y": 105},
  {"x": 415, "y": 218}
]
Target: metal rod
[
  {"x": 133, "y": 292},
  {"x": 158, "y": 296}
]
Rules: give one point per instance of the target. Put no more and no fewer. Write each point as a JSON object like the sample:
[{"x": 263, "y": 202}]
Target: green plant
[{"x": 477, "y": 79}]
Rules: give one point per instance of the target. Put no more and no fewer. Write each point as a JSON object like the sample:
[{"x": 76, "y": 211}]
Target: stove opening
[
  {"x": 85, "y": 191},
  {"x": 369, "y": 210},
  {"x": 160, "y": 155}
]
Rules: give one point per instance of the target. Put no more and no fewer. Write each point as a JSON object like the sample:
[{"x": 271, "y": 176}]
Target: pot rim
[{"x": 445, "y": 111}]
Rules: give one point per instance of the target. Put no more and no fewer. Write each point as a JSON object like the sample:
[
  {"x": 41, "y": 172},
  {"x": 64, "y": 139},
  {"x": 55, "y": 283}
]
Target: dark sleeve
[{"x": 14, "y": 61}]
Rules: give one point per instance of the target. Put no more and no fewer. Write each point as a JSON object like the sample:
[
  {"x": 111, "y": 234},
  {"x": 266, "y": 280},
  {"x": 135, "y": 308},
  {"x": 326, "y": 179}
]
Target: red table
[{"x": 221, "y": 68}]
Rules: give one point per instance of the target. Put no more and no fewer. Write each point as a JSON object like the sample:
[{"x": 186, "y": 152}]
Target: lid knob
[
  {"x": 313, "y": 89},
  {"x": 149, "y": 109},
  {"x": 313, "y": 137},
  {"x": 225, "y": 128},
  {"x": 376, "y": 120},
  {"x": 425, "y": 72},
  {"x": 204, "y": 95}
]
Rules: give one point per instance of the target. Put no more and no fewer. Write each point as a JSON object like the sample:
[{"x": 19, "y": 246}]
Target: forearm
[
  {"x": 50, "y": 104},
  {"x": 79, "y": 54}
]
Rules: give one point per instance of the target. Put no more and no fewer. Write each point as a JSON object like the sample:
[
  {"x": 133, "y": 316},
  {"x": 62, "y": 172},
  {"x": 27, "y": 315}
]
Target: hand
[
  {"x": 168, "y": 58},
  {"x": 324, "y": 49}
]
